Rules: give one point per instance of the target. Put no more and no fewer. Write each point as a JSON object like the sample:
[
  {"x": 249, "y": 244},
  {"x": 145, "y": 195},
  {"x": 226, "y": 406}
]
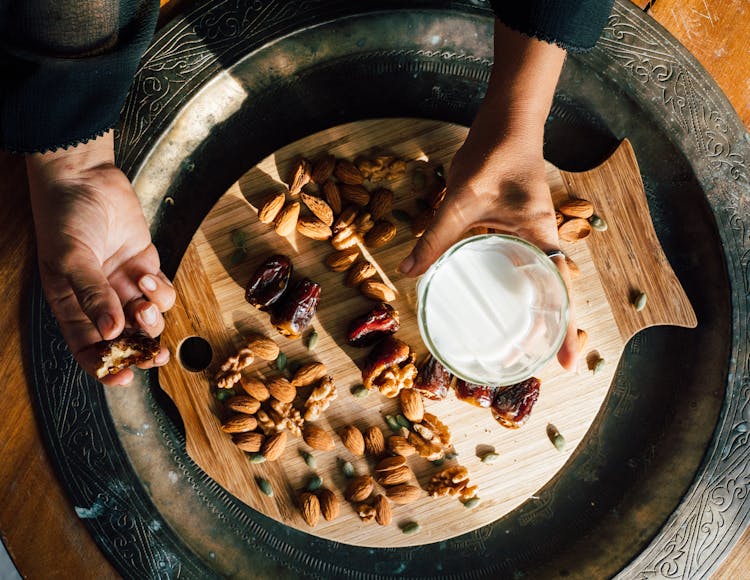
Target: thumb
[{"x": 446, "y": 228}]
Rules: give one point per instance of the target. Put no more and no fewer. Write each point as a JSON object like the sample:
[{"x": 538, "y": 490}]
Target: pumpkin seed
[
  {"x": 312, "y": 340},
  {"x": 392, "y": 422},
  {"x": 265, "y": 486},
  {"x": 471, "y": 503},
  {"x": 598, "y": 366},
  {"x": 640, "y": 302},
  {"x": 598, "y": 223},
  {"x": 490, "y": 457},
  {"x": 310, "y": 460},
  {"x": 257, "y": 458},
  {"x": 281, "y": 361},
  {"x": 360, "y": 392},
  {"x": 223, "y": 394},
  {"x": 559, "y": 442},
  {"x": 315, "y": 483},
  {"x": 347, "y": 468},
  {"x": 411, "y": 528},
  {"x": 438, "y": 462},
  {"x": 239, "y": 239},
  {"x": 403, "y": 421}
]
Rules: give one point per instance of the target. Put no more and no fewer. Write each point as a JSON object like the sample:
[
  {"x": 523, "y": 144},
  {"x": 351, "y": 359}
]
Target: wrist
[{"x": 70, "y": 163}]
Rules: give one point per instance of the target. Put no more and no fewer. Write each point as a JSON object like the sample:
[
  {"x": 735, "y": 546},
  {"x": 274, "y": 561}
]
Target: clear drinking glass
[{"x": 493, "y": 309}]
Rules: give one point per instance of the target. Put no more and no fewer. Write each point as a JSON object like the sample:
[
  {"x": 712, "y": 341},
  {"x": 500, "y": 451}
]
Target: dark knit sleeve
[
  {"x": 575, "y": 25},
  {"x": 66, "y": 68}
]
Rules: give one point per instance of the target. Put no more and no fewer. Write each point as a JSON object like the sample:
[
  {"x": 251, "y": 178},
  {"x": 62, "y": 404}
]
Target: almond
[
  {"x": 243, "y": 404},
  {"x": 359, "y": 272},
  {"x": 263, "y": 347},
  {"x": 318, "y": 207},
  {"x": 573, "y": 268},
  {"x": 377, "y": 291},
  {"x": 286, "y": 220},
  {"x": 574, "y": 229},
  {"x": 323, "y": 168},
  {"x": 381, "y": 203},
  {"x": 255, "y": 388},
  {"x": 346, "y": 238},
  {"x": 317, "y": 438},
  {"x": 333, "y": 196},
  {"x": 403, "y": 494},
  {"x": 583, "y": 338},
  {"x": 346, "y": 218},
  {"x": 576, "y": 208},
  {"x": 382, "y": 233},
  {"x": 395, "y": 476},
  {"x": 239, "y": 423},
  {"x": 329, "y": 504},
  {"x": 271, "y": 208},
  {"x": 342, "y": 260},
  {"x": 274, "y": 446},
  {"x": 310, "y": 508},
  {"x": 412, "y": 405},
  {"x": 300, "y": 177},
  {"x": 353, "y": 440},
  {"x": 400, "y": 446},
  {"x": 390, "y": 463},
  {"x": 374, "y": 442},
  {"x": 356, "y": 194},
  {"x": 282, "y": 390},
  {"x": 363, "y": 222},
  {"x": 313, "y": 228},
  {"x": 348, "y": 173},
  {"x": 359, "y": 488},
  {"x": 309, "y": 374},
  {"x": 382, "y": 510},
  {"x": 249, "y": 442}
]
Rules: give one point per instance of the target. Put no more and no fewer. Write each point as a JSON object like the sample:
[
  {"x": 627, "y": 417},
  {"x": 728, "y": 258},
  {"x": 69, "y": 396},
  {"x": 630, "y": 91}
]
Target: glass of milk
[{"x": 493, "y": 309}]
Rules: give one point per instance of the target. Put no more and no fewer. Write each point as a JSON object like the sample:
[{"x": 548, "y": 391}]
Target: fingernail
[
  {"x": 407, "y": 265},
  {"x": 148, "y": 284},
  {"x": 149, "y": 315},
  {"x": 105, "y": 323},
  {"x": 162, "y": 357}
]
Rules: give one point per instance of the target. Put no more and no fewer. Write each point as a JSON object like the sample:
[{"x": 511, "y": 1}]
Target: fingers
[
  {"x": 158, "y": 290},
  {"x": 146, "y": 315},
  {"x": 568, "y": 354}
]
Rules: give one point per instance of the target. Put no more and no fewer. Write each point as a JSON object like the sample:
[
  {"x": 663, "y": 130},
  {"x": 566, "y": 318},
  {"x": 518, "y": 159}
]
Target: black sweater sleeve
[
  {"x": 66, "y": 67},
  {"x": 575, "y": 25}
]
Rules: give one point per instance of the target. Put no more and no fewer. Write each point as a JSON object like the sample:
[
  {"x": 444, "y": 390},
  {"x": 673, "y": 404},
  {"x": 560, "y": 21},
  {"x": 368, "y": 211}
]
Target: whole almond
[
  {"x": 382, "y": 510},
  {"x": 381, "y": 203},
  {"x": 583, "y": 338},
  {"x": 374, "y": 442},
  {"x": 395, "y": 476},
  {"x": 363, "y": 222},
  {"x": 318, "y": 207},
  {"x": 239, "y": 423},
  {"x": 243, "y": 404},
  {"x": 346, "y": 218},
  {"x": 359, "y": 488},
  {"x": 333, "y": 196},
  {"x": 313, "y": 228},
  {"x": 286, "y": 220},
  {"x": 308, "y": 374},
  {"x": 255, "y": 388},
  {"x": 310, "y": 508},
  {"x": 576, "y": 208},
  {"x": 300, "y": 176},
  {"x": 353, "y": 440},
  {"x": 329, "y": 504},
  {"x": 345, "y": 239},
  {"x": 573, "y": 268},
  {"x": 274, "y": 446},
  {"x": 342, "y": 260},
  {"x": 574, "y": 229},
  {"x": 377, "y": 291},
  {"x": 263, "y": 347},
  {"x": 390, "y": 463},
  {"x": 249, "y": 442},
  {"x": 271, "y": 208},
  {"x": 323, "y": 169},
  {"x": 282, "y": 390},
  {"x": 400, "y": 446},
  {"x": 317, "y": 438},
  {"x": 356, "y": 194},
  {"x": 412, "y": 405},
  {"x": 403, "y": 494},
  {"x": 348, "y": 173},
  {"x": 382, "y": 233},
  {"x": 359, "y": 272}
]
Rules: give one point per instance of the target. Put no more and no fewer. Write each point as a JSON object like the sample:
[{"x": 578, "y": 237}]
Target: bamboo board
[{"x": 211, "y": 304}]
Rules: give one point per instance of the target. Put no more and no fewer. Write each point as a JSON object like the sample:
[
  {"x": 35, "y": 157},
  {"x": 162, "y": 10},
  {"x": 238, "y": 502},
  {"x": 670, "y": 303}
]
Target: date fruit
[
  {"x": 293, "y": 313},
  {"x": 512, "y": 405},
  {"x": 367, "y": 329},
  {"x": 433, "y": 380},
  {"x": 268, "y": 282},
  {"x": 477, "y": 395}
]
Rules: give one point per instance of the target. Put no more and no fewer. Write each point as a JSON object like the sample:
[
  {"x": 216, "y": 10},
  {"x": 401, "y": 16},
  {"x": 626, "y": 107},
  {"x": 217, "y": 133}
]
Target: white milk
[{"x": 492, "y": 309}]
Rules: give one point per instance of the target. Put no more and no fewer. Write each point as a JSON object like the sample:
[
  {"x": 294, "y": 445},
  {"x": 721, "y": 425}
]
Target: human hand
[{"x": 98, "y": 266}]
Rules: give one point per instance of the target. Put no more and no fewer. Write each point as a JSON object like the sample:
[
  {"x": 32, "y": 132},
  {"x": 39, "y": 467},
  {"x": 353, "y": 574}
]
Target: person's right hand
[{"x": 98, "y": 267}]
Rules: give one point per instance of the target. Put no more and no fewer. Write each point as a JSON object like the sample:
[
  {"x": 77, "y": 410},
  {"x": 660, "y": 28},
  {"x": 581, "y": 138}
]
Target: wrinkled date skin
[
  {"x": 477, "y": 395},
  {"x": 294, "y": 312},
  {"x": 369, "y": 328},
  {"x": 269, "y": 282},
  {"x": 512, "y": 405},
  {"x": 433, "y": 380},
  {"x": 389, "y": 353}
]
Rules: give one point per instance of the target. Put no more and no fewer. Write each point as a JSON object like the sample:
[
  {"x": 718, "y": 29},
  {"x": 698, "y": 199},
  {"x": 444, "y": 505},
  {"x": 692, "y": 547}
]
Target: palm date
[
  {"x": 433, "y": 380},
  {"x": 512, "y": 405},
  {"x": 269, "y": 282},
  {"x": 294, "y": 312},
  {"x": 374, "y": 325},
  {"x": 477, "y": 395}
]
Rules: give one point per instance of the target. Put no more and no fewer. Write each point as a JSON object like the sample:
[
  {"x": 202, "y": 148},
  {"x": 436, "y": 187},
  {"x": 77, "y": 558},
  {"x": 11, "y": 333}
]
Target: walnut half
[
  {"x": 390, "y": 367},
  {"x": 453, "y": 481}
]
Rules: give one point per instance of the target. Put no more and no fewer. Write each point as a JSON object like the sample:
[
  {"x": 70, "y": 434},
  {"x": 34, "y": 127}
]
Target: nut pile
[{"x": 576, "y": 219}]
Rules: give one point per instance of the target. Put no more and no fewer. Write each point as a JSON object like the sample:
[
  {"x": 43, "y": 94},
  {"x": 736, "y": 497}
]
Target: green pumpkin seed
[
  {"x": 471, "y": 503},
  {"x": 392, "y": 422},
  {"x": 238, "y": 256},
  {"x": 310, "y": 460},
  {"x": 411, "y": 528},
  {"x": 640, "y": 302},
  {"x": 257, "y": 458},
  {"x": 239, "y": 239},
  {"x": 281, "y": 361},
  {"x": 360, "y": 392},
  {"x": 312, "y": 340},
  {"x": 403, "y": 421},
  {"x": 402, "y": 216},
  {"x": 490, "y": 457},
  {"x": 223, "y": 394},
  {"x": 315, "y": 483},
  {"x": 598, "y": 366},
  {"x": 347, "y": 469},
  {"x": 265, "y": 486},
  {"x": 438, "y": 462},
  {"x": 598, "y": 223},
  {"x": 451, "y": 455},
  {"x": 559, "y": 442}
]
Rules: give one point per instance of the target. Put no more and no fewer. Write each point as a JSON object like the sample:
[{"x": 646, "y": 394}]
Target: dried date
[
  {"x": 512, "y": 405},
  {"x": 269, "y": 282},
  {"x": 293, "y": 313},
  {"x": 433, "y": 380},
  {"x": 477, "y": 395},
  {"x": 379, "y": 322}
]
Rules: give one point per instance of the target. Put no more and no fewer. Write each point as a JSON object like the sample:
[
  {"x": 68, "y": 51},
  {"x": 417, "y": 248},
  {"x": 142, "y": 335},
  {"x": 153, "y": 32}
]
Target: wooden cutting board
[{"x": 210, "y": 288}]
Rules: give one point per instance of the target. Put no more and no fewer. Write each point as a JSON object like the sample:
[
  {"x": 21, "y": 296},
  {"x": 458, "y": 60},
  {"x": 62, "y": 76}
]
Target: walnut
[
  {"x": 427, "y": 449},
  {"x": 390, "y": 367},
  {"x": 278, "y": 417},
  {"x": 453, "y": 481},
  {"x": 439, "y": 429},
  {"x": 365, "y": 512},
  {"x": 320, "y": 398},
  {"x": 431, "y": 437},
  {"x": 229, "y": 373}
]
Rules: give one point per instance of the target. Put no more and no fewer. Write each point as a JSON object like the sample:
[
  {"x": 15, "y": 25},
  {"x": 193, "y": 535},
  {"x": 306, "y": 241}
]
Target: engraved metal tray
[{"x": 659, "y": 487}]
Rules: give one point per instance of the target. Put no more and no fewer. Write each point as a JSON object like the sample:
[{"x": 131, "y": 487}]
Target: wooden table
[{"x": 38, "y": 524}]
